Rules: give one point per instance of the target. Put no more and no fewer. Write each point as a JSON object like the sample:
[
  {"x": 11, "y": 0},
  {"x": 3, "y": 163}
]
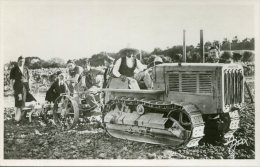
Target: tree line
[{"x": 238, "y": 50}]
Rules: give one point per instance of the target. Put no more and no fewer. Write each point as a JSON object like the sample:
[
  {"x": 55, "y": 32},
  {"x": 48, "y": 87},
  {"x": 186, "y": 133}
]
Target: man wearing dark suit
[
  {"x": 58, "y": 87},
  {"x": 19, "y": 77}
]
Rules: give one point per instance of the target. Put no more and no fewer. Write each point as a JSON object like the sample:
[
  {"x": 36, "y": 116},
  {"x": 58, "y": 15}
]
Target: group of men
[{"x": 128, "y": 67}]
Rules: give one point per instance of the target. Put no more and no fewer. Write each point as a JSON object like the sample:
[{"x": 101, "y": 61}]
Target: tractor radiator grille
[
  {"x": 205, "y": 81},
  {"x": 174, "y": 82},
  {"x": 193, "y": 82},
  {"x": 189, "y": 83},
  {"x": 233, "y": 86}
]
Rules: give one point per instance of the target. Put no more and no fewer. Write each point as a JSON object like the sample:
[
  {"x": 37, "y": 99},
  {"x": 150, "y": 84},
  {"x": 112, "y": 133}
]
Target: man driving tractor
[{"x": 128, "y": 67}]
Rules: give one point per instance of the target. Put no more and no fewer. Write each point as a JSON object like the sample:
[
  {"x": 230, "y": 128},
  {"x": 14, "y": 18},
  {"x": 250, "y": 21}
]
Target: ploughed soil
[{"x": 41, "y": 140}]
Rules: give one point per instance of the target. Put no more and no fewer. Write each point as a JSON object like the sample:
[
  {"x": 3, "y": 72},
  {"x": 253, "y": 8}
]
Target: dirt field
[{"x": 37, "y": 140}]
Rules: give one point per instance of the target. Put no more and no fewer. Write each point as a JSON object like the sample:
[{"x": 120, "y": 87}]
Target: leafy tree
[
  {"x": 145, "y": 57},
  {"x": 207, "y": 46},
  {"x": 246, "y": 43},
  {"x": 11, "y": 64},
  {"x": 57, "y": 62},
  {"x": 81, "y": 62},
  {"x": 157, "y": 51},
  {"x": 236, "y": 56},
  {"x": 248, "y": 56},
  {"x": 225, "y": 57},
  {"x": 98, "y": 59},
  {"x": 36, "y": 65},
  {"x": 216, "y": 44},
  {"x": 225, "y": 44},
  {"x": 236, "y": 44},
  {"x": 193, "y": 57},
  {"x": 45, "y": 64},
  {"x": 30, "y": 61},
  {"x": 252, "y": 44},
  {"x": 235, "y": 40},
  {"x": 170, "y": 54}
]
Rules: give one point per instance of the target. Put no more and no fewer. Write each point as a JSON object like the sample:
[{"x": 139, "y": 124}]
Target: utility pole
[
  {"x": 184, "y": 47},
  {"x": 202, "y": 46}
]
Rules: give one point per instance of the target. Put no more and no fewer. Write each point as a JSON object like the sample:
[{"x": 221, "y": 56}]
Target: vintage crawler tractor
[{"x": 187, "y": 101}]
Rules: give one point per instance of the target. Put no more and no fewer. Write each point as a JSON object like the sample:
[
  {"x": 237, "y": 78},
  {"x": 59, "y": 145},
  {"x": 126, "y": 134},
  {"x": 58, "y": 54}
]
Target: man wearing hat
[
  {"x": 128, "y": 67},
  {"x": 19, "y": 77}
]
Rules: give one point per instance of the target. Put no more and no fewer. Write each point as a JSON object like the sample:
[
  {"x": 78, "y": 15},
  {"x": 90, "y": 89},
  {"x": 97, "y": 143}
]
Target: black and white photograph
[{"x": 127, "y": 82}]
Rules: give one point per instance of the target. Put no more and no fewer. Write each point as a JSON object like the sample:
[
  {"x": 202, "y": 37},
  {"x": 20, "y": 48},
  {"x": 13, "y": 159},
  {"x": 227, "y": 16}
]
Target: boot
[{"x": 18, "y": 115}]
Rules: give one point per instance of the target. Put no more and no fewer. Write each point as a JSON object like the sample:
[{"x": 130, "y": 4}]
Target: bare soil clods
[{"x": 38, "y": 140}]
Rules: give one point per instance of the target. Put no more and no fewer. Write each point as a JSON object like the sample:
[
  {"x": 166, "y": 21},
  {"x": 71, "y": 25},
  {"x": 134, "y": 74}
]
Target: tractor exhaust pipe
[
  {"x": 202, "y": 54},
  {"x": 184, "y": 47}
]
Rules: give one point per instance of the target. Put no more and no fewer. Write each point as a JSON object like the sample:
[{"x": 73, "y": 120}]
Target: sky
[{"x": 76, "y": 29}]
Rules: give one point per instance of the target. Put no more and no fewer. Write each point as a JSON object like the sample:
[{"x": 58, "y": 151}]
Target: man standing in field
[{"x": 19, "y": 78}]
